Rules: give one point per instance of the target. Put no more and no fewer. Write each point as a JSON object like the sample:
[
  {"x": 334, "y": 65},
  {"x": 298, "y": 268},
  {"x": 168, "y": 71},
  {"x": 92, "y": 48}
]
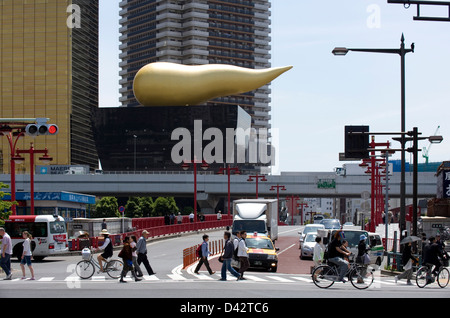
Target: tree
[
  {"x": 106, "y": 207},
  {"x": 164, "y": 205},
  {"x": 133, "y": 208},
  {"x": 5, "y": 206},
  {"x": 146, "y": 205}
]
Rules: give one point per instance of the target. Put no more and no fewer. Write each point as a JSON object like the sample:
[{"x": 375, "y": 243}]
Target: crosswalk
[{"x": 180, "y": 276}]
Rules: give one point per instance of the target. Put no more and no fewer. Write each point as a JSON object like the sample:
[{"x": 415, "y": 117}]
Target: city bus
[{"x": 48, "y": 231}]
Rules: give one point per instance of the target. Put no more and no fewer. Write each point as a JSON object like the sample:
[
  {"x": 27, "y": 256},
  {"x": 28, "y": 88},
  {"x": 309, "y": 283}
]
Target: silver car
[{"x": 307, "y": 250}]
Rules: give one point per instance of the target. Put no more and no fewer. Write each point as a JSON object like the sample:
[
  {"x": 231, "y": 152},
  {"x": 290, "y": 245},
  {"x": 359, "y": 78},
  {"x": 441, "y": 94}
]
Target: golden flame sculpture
[{"x": 171, "y": 84}]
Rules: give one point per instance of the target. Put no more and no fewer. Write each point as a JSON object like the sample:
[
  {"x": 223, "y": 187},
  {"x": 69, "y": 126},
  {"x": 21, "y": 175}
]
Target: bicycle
[
  {"x": 361, "y": 277},
  {"x": 425, "y": 276},
  {"x": 86, "y": 267}
]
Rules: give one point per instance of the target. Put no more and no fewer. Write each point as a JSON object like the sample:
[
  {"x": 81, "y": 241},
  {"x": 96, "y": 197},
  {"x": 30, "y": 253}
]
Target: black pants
[
  {"x": 245, "y": 264},
  {"x": 142, "y": 258},
  {"x": 202, "y": 261}
]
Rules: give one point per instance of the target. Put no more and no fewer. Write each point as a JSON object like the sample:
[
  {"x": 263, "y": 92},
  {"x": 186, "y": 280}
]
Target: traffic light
[
  {"x": 356, "y": 143},
  {"x": 41, "y": 129}
]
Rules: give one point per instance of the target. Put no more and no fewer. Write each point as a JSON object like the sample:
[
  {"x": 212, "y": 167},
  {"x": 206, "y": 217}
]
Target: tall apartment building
[
  {"x": 194, "y": 32},
  {"x": 49, "y": 68}
]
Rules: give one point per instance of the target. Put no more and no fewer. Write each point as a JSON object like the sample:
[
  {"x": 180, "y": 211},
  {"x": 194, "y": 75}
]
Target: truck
[{"x": 258, "y": 216}]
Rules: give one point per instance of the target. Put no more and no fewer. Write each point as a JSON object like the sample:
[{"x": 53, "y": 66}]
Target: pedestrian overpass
[{"x": 213, "y": 187}]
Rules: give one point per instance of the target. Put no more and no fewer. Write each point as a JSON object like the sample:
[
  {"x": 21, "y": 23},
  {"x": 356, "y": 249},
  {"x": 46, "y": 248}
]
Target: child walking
[{"x": 26, "y": 255}]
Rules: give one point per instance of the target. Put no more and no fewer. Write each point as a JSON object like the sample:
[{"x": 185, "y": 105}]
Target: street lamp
[
  {"x": 257, "y": 177},
  {"x": 204, "y": 166},
  {"x": 228, "y": 170},
  {"x": 402, "y": 51},
  {"x": 414, "y": 136}
]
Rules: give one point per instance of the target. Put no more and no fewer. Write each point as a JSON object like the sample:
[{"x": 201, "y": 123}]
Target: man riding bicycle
[
  {"x": 336, "y": 254},
  {"x": 432, "y": 256}
]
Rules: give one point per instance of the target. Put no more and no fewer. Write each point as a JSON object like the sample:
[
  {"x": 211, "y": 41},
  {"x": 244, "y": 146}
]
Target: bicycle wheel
[
  {"x": 114, "y": 268},
  {"x": 324, "y": 276},
  {"x": 443, "y": 277},
  {"x": 422, "y": 276},
  {"x": 85, "y": 269},
  {"x": 361, "y": 277}
]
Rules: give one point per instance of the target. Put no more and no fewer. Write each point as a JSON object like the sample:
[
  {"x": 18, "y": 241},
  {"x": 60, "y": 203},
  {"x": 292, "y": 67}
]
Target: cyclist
[
  {"x": 336, "y": 254},
  {"x": 432, "y": 254},
  {"x": 107, "y": 247}
]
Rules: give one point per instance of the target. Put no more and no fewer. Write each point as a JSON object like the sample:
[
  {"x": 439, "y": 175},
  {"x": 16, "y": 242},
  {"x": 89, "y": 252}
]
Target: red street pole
[
  {"x": 257, "y": 177},
  {"x": 373, "y": 182},
  {"x": 185, "y": 167},
  {"x": 228, "y": 169},
  {"x": 31, "y": 152},
  {"x": 303, "y": 204},
  {"x": 292, "y": 198},
  {"x": 283, "y": 188},
  {"x": 12, "y": 146}
]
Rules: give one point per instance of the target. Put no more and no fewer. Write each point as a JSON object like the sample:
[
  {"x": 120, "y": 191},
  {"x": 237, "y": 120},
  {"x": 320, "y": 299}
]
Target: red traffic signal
[{"x": 41, "y": 129}]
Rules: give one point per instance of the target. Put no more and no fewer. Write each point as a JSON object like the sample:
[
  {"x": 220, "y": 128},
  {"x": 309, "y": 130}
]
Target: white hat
[{"x": 104, "y": 231}]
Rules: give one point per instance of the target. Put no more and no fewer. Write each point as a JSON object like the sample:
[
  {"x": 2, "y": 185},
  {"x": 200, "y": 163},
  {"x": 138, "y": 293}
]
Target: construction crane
[{"x": 425, "y": 151}]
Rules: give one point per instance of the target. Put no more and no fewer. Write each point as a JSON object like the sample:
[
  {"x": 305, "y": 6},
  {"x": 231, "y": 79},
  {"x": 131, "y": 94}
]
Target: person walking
[
  {"x": 141, "y": 250},
  {"x": 318, "y": 252},
  {"x": 407, "y": 260},
  {"x": 242, "y": 253},
  {"x": 126, "y": 255},
  {"x": 133, "y": 245},
  {"x": 228, "y": 251},
  {"x": 26, "y": 255},
  {"x": 5, "y": 262},
  {"x": 204, "y": 256}
]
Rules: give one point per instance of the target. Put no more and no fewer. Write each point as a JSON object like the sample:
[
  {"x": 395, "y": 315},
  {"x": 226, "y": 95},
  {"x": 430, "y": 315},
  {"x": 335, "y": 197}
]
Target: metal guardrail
[{"x": 157, "y": 231}]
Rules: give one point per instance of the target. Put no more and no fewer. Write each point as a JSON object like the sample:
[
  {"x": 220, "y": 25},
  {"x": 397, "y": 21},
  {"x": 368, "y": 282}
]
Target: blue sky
[{"x": 313, "y": 102}]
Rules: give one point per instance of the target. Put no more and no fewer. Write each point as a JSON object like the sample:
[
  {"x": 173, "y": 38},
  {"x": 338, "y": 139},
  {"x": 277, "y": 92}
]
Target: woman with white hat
[{"x": 106, "y": 247}]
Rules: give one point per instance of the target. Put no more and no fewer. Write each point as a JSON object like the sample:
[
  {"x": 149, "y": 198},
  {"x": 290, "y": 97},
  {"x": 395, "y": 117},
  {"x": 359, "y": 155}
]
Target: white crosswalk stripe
[
  {"x": 280, "y": 279},
  {"x": 181, "y": 275}
]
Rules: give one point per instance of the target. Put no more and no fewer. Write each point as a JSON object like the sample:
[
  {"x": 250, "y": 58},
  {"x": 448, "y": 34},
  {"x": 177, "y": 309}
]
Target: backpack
[{"x": 198, "y": 252}]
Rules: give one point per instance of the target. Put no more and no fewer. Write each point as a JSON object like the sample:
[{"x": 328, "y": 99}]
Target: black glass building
[{"x": 140, "y": 138}]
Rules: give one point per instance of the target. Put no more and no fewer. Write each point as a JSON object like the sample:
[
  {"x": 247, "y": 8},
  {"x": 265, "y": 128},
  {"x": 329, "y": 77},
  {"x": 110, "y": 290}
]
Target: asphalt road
[{"x": 55, "y": 278}]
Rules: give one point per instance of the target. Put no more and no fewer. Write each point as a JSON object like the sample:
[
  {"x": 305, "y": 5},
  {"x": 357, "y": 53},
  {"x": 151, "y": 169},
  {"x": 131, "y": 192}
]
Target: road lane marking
[{"x": 286, "y": 249}]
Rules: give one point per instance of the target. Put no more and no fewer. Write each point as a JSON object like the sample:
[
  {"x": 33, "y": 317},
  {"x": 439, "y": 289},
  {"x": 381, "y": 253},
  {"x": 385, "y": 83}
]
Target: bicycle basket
[{"x": 86, "y": 254}]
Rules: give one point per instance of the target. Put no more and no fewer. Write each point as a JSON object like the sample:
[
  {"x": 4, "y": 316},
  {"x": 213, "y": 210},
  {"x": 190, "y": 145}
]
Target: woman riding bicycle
[{"x": 107, "y": 247}]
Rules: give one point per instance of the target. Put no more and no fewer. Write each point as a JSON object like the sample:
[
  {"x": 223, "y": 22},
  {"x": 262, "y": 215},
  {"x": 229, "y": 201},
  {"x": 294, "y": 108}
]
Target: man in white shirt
[
  {"x": 5, "y": 262},
  {"x": 243, "y": 255}
]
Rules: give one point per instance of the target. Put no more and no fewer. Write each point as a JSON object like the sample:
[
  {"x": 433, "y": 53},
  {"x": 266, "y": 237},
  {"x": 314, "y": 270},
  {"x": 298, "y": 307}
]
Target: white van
[
  {"x": 376, "y": 252},
  {"x": 374, "y": 243}
]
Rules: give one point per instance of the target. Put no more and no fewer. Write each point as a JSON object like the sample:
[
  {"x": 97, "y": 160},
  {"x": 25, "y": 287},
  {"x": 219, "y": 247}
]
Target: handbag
[
  {"x": 221, "y": 259},
  {"x": 366, "y": 259}
]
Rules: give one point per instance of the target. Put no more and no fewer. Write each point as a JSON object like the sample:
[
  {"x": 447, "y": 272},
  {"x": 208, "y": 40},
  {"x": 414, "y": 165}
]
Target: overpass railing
[{"x": 156, "y": 228}]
